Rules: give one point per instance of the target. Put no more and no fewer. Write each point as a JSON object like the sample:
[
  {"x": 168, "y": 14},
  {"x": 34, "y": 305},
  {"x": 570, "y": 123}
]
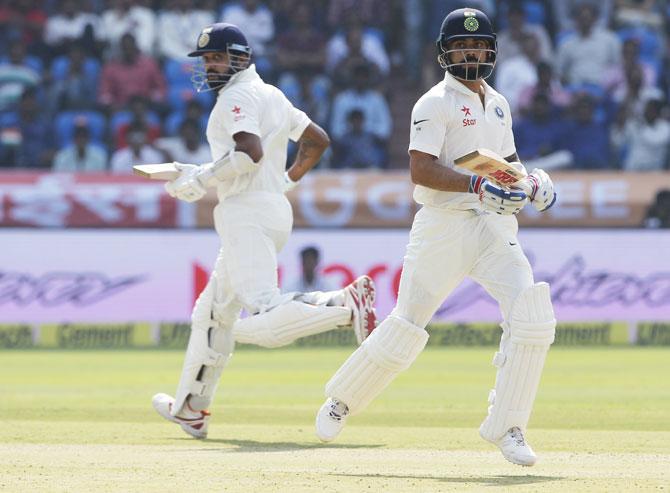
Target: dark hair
[{"x": 310, "y": 250}]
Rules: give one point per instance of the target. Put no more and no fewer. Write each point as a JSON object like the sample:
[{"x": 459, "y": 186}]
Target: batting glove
[
  {"x": 542, "y": 194},
  {"x": 495, "y": 198},
  {"x": 187, "y": 186}
]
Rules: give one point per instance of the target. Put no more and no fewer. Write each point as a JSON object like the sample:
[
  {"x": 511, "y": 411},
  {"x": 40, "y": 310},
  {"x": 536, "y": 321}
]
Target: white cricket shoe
[
  {"x": 360, "y": 297},
  {"x": 196, "y": 426},
  {"x": 331, "y": 419},
  {"x": 515, "y": 449}
]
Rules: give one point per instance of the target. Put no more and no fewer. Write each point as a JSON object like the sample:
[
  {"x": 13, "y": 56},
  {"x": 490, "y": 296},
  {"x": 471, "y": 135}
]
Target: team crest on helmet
[
  {"x": 203, "y": 40},
  {"x": 471, "y": 23}
]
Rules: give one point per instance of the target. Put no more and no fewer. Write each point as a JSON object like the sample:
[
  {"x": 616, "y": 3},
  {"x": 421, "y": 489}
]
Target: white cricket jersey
[
  {"x": 247, "y": 104},
  {"x": 449, "y": 121}
]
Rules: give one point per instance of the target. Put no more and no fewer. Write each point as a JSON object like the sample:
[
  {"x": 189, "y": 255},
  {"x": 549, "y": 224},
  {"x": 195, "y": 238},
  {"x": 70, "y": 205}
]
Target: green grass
[{"x": 78, "y": 421}]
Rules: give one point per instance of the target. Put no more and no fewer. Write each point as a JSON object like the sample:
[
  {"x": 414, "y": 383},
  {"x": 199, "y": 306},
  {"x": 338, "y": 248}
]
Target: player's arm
[
  {"x": 250, "y": 144},
  {"x": 426, "y": 171},
  {"x": 311, "y": 145}
]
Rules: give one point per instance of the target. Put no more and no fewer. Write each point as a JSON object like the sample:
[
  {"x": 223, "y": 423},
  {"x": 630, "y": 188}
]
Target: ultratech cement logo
[
  {"x": 653, "y": 334},
  {"x": 16, "y": 336},
  {"x": 93, "y": 336},
  {"x": 174, "y": 335}
]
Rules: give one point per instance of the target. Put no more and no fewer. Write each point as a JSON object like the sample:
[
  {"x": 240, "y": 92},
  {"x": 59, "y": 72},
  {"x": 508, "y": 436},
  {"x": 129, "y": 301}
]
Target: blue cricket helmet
[
  {"x": 467, "y": 23},
  {"x": 221, "y": 37}
]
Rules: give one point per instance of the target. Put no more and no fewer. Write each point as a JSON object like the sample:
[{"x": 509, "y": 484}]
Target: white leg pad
[
  {"x": 210, "y": 346},
  {"x": 391, "y": 348},
  {"x": 287, "y": 322},
  {"x": 523, "y": 349}
]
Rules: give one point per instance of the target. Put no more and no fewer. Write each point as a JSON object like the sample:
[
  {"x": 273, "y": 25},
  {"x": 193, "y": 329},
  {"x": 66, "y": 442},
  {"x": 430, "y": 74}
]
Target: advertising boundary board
[{"x": 110, "y": 278}]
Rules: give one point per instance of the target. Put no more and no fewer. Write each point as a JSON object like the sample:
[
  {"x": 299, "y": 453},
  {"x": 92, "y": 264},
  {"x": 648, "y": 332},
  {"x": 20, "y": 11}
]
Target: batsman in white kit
[
  {"x": 466, "y": 227},
  {"x": 248, "y": 133}
]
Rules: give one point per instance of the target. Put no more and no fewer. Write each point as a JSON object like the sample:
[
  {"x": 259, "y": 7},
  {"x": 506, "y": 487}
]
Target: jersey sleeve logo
[
  {"x": 416, "y": 122},
  {"x": 237, "y": 114}
]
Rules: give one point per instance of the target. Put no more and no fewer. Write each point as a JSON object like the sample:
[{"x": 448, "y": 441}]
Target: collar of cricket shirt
[
  {"x": 245, "y": 75},
  {"x": 453, "y": 83}
]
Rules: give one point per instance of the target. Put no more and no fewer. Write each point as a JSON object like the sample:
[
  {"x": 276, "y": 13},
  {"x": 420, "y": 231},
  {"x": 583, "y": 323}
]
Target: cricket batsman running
[
  {"x": 466, "y": 227},
  {"x": 248, "y": 133}
]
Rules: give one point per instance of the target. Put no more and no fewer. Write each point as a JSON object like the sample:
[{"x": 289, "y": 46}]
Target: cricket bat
[
  {"x": 490, "y": 165},
  {"x": 162, "y": 171}
]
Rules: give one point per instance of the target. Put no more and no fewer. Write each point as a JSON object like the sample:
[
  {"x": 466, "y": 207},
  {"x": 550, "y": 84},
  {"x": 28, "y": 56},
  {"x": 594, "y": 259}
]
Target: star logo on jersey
[
  {"x": 236, "y": 110},
  {"x": 466, "y": 111}
]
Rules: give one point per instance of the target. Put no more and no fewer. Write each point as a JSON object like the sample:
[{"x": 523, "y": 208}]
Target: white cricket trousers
[
  {"x": 253, "y": 227},
  {"x": 447, "y": 245}
]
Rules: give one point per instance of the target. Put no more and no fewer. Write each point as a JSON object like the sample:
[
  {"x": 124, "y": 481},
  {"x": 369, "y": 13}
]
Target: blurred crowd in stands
[{"x": 99, "y": 85}]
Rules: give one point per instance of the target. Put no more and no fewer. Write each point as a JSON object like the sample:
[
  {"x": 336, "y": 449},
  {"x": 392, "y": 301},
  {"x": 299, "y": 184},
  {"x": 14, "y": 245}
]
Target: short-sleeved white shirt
[
  {"x": 247, "y": 104},
  {"x": 448, "y": 122}
]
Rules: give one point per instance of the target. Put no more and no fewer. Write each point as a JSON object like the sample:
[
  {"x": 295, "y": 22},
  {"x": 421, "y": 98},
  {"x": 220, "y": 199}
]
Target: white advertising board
[{"x": 75, "y": 276}]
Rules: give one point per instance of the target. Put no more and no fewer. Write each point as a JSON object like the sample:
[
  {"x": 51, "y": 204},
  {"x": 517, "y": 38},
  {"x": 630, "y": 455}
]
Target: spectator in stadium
[
  {"x": 193, "y": 111},
  {"x": 132, "y": 74},
  {"x": 182, "y": 21},
  {"x": 372, "y": 13},
  {"x": 362, "y": 95},
  {"x": 126, "y": 17},
  {"x": 586, "y": 137},
  {"x": 358, "y": 148},
  {"x": 256, "y": 20},
  {"x": 510, "y": 39},
  {"x": 137, "y": 112},
  {"x": 70, "y": 24},
  {"x": 81, "y": 156},
  {"x": 23, "y": 21},
  {"x": 644, "y": 140},
  {"x": 538, "y": 133},
  {"x": 357, "y": 43},
  {"x": 564, "y": 14},
  {"x": 547, "y": 84},
  {"x": 586, "y": 54},
  {"x": 301, "y": 76},
  {"x": 77, "y": 88},
  {"x": 137, "y": 152},
  {"x": 187, "y": 147},
  {"x": 658, "y": 214},
  {"x": 26, "y": 135},
  {"x": 310, "y": 279},
  {"x": 616, "y": 79},
  {"x": 517, "y": 73},
  {"x": 17, "y": 74}
]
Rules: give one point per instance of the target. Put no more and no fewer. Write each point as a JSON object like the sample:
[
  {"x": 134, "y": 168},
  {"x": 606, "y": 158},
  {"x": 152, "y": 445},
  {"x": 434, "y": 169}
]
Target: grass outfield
[{"x": 82, "y": 421}]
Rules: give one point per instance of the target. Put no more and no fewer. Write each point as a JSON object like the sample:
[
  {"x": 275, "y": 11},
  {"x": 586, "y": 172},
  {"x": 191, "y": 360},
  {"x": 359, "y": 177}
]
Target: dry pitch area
[{"x": 82, "y": 421}]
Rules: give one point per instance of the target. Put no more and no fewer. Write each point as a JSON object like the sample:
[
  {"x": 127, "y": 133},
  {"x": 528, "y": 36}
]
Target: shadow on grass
[
  {"x": 255, "y": 446},
  {"x": 481, "y": 480}
]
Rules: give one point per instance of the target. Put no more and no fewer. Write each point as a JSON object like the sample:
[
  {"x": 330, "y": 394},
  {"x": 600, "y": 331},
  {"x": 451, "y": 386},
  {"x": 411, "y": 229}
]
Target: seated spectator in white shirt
[
  {"x": 137, "y": 152},
  {"x": 511, "y": 38},
  {"x": 187, "y": 147},
  {"x": 645, "y": 140},
  {"x": 125, "y": 18},
  {"x": 256, "y": 21},
  {"x": 81, "y": 156},
  {"x": 183, "y": 22},
  {"x": 70, "y": 24},
  {"x": 517, "y": 73},
  {"x": 16, "y": 75},
  {"x": 357, "y": 40},
  {"x": 366, "y": 98},
  {"x": 585, "y": 55}
]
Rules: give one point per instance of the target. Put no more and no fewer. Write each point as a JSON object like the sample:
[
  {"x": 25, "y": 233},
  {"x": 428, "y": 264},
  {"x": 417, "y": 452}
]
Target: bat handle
[{"x": 524, "y": 185}]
